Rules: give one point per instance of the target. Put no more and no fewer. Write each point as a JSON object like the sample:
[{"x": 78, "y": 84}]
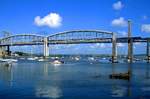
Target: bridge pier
[
  {"x": 130, "y": 51},
  {"x": 46, "y": 47},
  {"x": 8, "y": 50},
  {"x": 2, "y": 51},
  {"x": 130, "y": 44},
  {"x": 147, "y": 51},
  {"x": 5, "y": 51},
  {"x": 114, "y": 54}
]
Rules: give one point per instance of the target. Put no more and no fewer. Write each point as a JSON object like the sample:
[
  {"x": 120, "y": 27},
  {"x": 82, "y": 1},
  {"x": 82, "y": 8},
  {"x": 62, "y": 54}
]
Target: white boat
[
  {"x": 22, "y": 58},
  {"x": 35, "y": 57},
  {"x": 8, "y": 60},
  {"x": 41, "y": 60},
  {"x": 31, "y": 58},
  {"x": 77, "y": 58},
  {"x": 103, "y": 58},
  {"x": 57, "y": 62},
  {"x": 91, "y": 58}
]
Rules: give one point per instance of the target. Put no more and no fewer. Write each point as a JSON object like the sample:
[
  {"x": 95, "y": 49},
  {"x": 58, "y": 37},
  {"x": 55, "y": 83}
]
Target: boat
[
  {"x": 22, "y": 58},
  {"x": 41, "y": 60},
  {"x": 114, "y": 61},
  {"x": 57, "y": 62},
  {"x": 125, "y": 76},
  {"x": 104, "y": 60},
  {"x": 32, "y": 58},
  {"x": 35, "y": 57},
  {"x": 77, "y": 58},
  {"x": 91, "y": 58},
  {"x": 8, "y": 60}
]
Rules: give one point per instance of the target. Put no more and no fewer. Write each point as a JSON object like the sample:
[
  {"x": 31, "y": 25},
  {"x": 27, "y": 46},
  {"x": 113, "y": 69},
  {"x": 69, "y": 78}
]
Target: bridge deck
[{"x": 79, "y": 41}]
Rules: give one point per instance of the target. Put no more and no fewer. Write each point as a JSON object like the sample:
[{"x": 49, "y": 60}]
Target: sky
[{"x": 46, "y": 17}]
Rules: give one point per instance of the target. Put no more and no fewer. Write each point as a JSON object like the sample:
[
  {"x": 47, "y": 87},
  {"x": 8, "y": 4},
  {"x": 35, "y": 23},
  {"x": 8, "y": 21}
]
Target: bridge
[{"x": 74, "y": 37}]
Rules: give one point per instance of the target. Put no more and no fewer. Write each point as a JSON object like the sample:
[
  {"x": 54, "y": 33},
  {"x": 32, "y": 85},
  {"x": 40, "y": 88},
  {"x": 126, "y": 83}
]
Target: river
[{"x": 80, "y": 79}]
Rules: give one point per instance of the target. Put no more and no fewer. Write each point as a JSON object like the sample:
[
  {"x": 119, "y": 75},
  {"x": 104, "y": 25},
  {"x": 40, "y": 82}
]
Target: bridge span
[{"x": 73, "y": 37}]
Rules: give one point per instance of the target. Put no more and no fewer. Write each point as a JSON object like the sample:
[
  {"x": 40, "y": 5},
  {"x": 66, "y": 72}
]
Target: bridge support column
[
  {"x": 114, "y": 54},
  {"x": 5, "y": 51},
  {"x": 46, "y": 47},
  {"x": 147, "y": 51},
  {"x": 2, "y": 51},
  {"x": 8, "y": 50},
  {"x": 130, "y": 44},
  {"x": 130, "y": 51}
]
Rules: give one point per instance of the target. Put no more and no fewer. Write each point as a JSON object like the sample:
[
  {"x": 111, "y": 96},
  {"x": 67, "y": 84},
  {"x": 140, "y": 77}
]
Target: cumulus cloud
[
  {"x": 120, "y": 22},
  {"x": 52, "y": 20},
  {"x": 118, "y": 5},
  {"x": 146, "y": 28}
]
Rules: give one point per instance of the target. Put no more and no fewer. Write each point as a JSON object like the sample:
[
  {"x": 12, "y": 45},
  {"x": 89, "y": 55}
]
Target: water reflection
[
  {"x": 45, "y": 70},
  {"x": 47, "y": 88},
  {"x": 147, "y": 71},
  {"x": 6, "y": 73},
  {"x": 43, "y": 80},
  {"x": 48, "y": 92},
  {"x": 117, "y": 89},
  {"x": 146, "y": 87}
]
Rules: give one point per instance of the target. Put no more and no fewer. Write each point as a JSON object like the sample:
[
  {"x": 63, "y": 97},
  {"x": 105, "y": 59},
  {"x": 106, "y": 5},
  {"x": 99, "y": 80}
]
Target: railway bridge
[{"x": 74, "y": 37}]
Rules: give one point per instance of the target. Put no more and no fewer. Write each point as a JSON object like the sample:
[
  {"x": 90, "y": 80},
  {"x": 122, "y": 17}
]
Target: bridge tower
[
  {"x": 46, "y": 47},
  {"x": 130, "y": 44},
  {"x": 147, "y": 51},
  {"x": 114, "y": 53}
]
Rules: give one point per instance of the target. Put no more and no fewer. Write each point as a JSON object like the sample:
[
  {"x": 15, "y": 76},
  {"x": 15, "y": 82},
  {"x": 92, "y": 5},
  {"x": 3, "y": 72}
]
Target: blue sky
[{"x": 18, "y": 16}]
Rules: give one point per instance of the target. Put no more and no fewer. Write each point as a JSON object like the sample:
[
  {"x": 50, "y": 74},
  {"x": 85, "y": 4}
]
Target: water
[{"x": 72, "y": 80}]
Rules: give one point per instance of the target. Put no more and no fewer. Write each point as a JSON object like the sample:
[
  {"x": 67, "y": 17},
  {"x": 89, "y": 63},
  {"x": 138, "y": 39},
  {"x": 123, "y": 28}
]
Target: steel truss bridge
[{"x": 73, "y": 37}]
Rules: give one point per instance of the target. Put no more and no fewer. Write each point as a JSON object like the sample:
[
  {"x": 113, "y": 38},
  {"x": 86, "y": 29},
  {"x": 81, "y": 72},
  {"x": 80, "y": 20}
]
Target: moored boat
[
  {"x": 57, "y": 62},
  {"x": 8, "y": 60}
]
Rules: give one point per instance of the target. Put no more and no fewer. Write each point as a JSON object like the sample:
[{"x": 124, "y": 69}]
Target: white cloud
[
  {"x": 146, "y": 28},
  {"x": 120, "y": 22},
  {"x": 145, "y": 17},
  {"x": 118, "y": 5},
  {"x": 52, "y": 20}
]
